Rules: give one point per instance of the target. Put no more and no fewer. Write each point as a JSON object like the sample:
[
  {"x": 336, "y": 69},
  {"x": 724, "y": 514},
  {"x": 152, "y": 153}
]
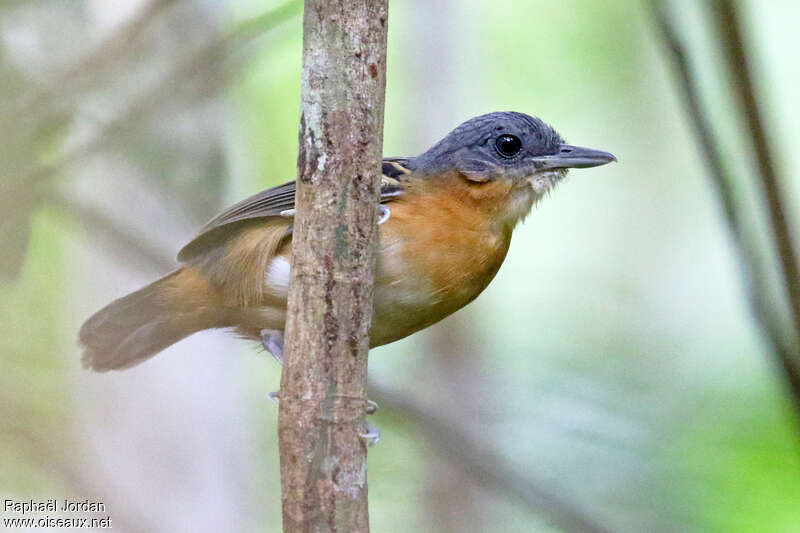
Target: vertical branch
[
  {"x": 756, "y": 277},
  {"x": 323, "y": 459},
  {"x": 730, "y": 31}
]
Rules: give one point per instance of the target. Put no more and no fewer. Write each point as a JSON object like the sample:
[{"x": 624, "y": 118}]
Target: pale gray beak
[{"x": 569, "y": 156}]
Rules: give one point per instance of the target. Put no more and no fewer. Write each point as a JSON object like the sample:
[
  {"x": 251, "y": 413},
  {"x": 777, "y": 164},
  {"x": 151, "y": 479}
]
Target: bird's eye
[{"x": 508, "y": 145}]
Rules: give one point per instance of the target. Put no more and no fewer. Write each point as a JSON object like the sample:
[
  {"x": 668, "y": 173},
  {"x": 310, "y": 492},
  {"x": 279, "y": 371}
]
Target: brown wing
[{"x": 276, "y": 202}]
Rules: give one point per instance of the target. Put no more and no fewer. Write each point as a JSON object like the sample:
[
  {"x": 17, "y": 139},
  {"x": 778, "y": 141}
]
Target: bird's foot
[
  {"x": 371, "y": 407},
  {"x": 272, "y": 341},
  {"x": 371, "y": 435}
]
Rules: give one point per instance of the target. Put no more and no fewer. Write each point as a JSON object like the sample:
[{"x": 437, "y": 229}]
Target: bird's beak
[{"x": 569, "y": 156}]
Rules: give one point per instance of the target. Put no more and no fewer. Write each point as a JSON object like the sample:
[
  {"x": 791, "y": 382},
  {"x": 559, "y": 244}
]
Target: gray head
[{"x": 506, "y": 145}]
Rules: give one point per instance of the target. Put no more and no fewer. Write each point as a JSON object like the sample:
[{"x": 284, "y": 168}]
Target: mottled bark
[{"x": 323, "y": 458}]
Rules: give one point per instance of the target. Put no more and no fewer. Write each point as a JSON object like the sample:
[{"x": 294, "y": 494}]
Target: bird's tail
[{"x": 136, "y": 327}]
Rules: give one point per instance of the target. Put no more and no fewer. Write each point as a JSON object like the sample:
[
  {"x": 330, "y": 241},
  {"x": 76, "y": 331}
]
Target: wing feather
[{"x": 277, "y": 202}]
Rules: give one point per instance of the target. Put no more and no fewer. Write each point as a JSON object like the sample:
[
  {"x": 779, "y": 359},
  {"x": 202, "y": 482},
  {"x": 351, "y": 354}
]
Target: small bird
[{"x": 445, "y": 227}]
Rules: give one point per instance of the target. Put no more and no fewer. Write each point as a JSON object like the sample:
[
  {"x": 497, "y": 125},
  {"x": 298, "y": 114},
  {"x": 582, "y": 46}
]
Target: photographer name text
[{"x": 53, "y": 505}]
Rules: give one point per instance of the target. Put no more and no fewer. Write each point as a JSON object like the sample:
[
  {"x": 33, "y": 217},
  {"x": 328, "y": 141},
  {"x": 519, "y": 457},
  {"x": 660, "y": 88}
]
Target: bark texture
[{"x": 323, "y": 458}]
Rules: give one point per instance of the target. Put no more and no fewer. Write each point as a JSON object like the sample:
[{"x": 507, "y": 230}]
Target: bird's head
[{"x": 523, "y": 153}]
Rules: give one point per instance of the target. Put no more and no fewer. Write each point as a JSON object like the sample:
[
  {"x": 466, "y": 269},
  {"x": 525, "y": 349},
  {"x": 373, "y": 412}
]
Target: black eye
[{"x": 508, "y": 145}]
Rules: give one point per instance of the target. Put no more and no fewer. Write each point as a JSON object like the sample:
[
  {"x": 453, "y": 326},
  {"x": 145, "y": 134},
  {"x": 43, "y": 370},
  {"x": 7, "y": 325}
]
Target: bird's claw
[
  {"x": 371, "y": 435},
  {"x": 371, "y": 408}
]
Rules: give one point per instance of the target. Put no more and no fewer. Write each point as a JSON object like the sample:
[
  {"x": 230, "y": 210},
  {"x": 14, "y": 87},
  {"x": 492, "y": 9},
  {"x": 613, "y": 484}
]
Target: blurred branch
[
  {"x": 756, "y": 277},
  {"x": 118, "y": 238},
  {"x": 149, "y": 101},
  {"x": 26, "y": 182},
  {"x": 36, "y": 101},
  {"x": 729, "y": 28},
  {"x": 487, "y": 468}
]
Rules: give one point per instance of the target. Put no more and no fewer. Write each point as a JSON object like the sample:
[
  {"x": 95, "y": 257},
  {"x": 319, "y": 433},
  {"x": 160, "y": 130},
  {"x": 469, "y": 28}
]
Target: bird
[{"x": 446, "y": 220}]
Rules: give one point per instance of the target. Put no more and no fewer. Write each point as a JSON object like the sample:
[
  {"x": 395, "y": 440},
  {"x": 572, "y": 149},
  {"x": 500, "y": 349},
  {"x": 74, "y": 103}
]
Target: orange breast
[{"x": 439, "y": 249}]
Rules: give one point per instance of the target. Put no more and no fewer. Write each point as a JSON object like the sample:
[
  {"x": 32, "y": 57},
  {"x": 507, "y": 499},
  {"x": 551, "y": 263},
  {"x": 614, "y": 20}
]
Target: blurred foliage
[
  {"x": 33, "y": 394},
  {"x": 613, "y": 361}
]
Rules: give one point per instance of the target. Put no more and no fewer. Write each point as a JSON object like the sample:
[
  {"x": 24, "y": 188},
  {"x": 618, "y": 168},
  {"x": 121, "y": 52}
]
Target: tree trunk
[{"x": 323, "y": 458}]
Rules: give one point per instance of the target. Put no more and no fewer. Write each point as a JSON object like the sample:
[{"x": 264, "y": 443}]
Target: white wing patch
[{"x": 278, "y": 274}]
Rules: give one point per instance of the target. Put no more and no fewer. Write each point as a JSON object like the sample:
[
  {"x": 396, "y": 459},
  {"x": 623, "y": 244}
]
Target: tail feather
[{"x": 136, "y": 327}]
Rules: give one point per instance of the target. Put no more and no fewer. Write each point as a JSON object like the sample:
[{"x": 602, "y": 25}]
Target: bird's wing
[{"x": 278, "y": 202}]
